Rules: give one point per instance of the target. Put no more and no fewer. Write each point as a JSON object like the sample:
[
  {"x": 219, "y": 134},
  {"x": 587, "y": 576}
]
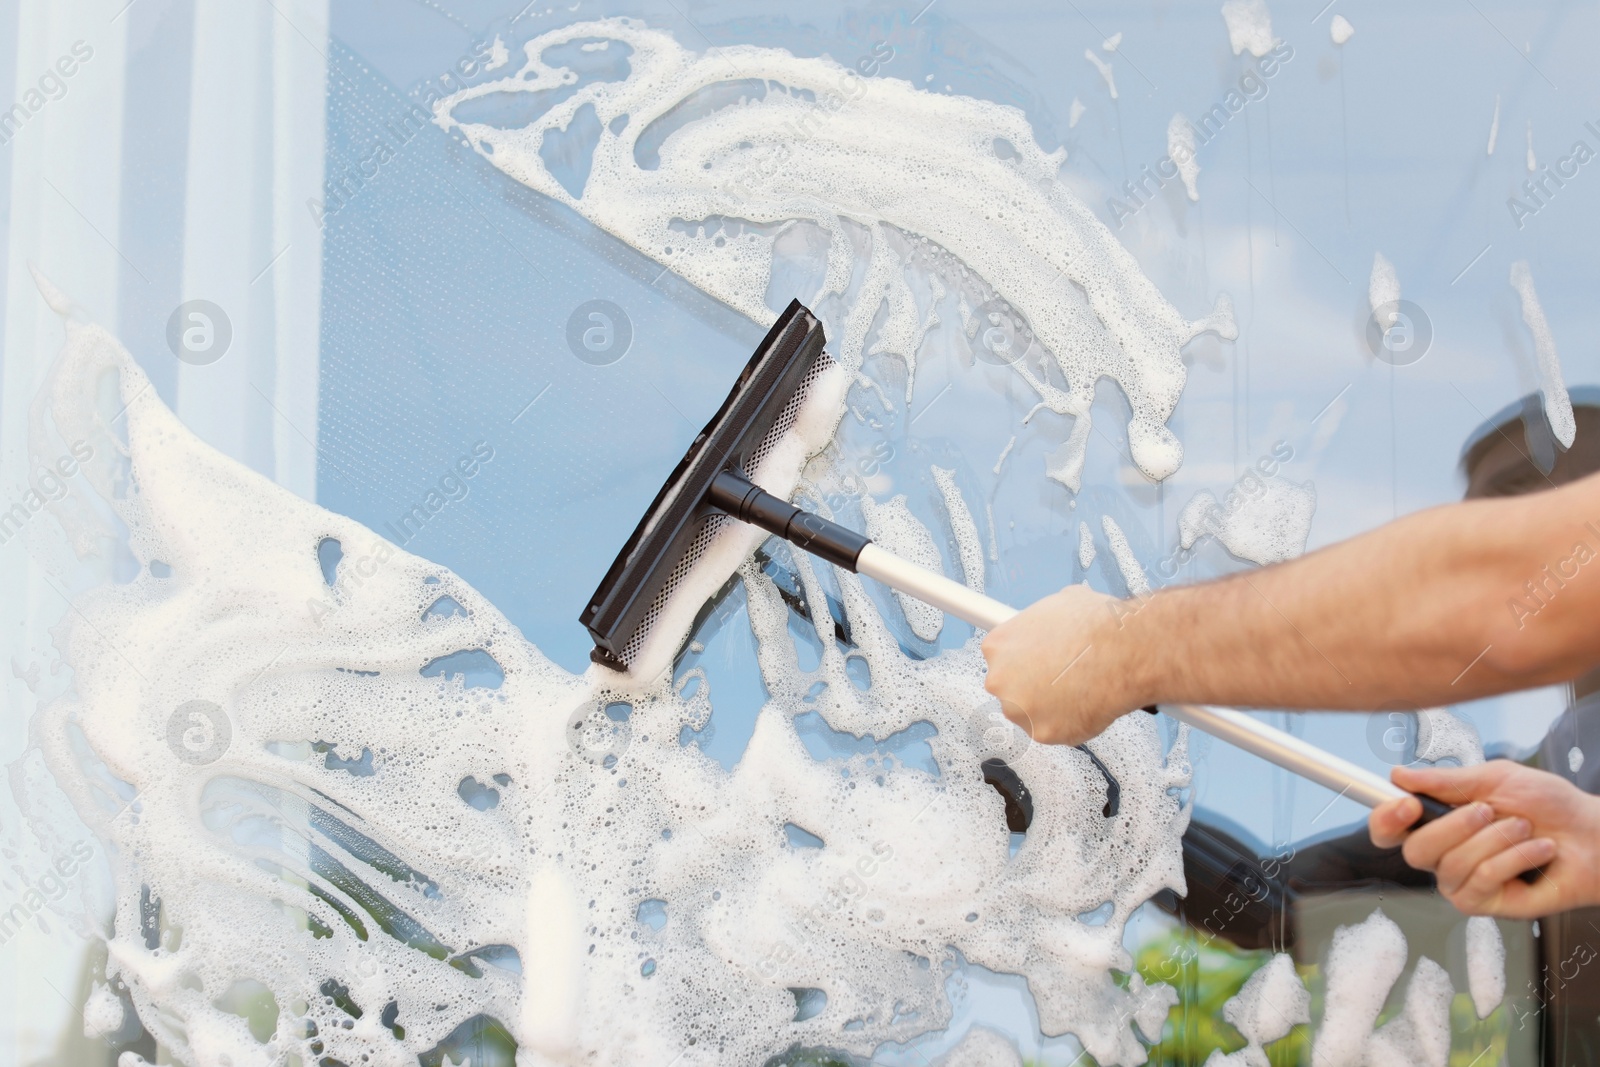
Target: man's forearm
[{"x": 1420, "y": 612}]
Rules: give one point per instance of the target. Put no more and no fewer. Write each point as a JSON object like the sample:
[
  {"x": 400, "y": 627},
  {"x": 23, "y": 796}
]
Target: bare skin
[{"x": 1419, "y": 613}]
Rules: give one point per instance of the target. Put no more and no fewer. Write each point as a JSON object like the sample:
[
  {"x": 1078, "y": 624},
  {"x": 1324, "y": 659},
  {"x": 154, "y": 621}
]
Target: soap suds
[
  {"x": 1004, "y": 452},
  {"x": 1340, "y": 30},
  {"x": 1363, "y": 964},
  {"x": 962, "y": 527},
  {"x": 1575, "y": 759},
  {"x": 1075, "y": 113},
  {"x": 983, "y": 1047},
  {"x": 1494, "y": 125},
  {"x": 1441, "y": 734},
  {"x": 499, "y": 55},
  {"x": 1533, "y": 161},
  {"x": 1181, "y": 150},
  {"x": 1105, "y": 71},
  {"x": 422, "y": 911},
  {"x": 900, "y": 164},
  {"x": 1486, "y": 964},
  {"x": 1552, "y": 389},
  {"x": 102, "y": 1012},
  {"x": 1085, "y": 545},
  {"x": 1383, "y": 287},
  {"x": 1264, "y": 520},
  {"x": 1272, "y": 1002},
  {"x": 1249, "y": 26},
  {"x": 1420, "y": 1035},
  {"x": 893, "y": 527},
  {"x": 1127, "y": 563},
  {"x": 1112, "y": 43}
]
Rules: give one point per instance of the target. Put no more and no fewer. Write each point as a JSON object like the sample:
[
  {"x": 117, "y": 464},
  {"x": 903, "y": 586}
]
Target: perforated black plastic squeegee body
[{"x": 712, "y": 479}]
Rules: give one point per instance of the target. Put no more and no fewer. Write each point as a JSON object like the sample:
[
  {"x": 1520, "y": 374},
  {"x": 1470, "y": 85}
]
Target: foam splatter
[
  {"x": 1272, "y": 1002},
  {"x": 688, "y": 174},
  {"x": 1263, "y": 520},
  {"x": 969, "y": 545},
  {"x": 1441, "y": 734},
  {"x": 1340, "y": 31},
  {"x": 1127, "y": 562},
  {"x": 1106, "y": 73},
  {"x": 209, "y": 735},
  {"x": 893, "y": 526},
  {"x": 1181, "y": 150},
  {"x": 1249, "y": 26},
  {"x": 1486, "y": 964},
  {"x": 1552, "y": 389},
  {"x": 1383, "y": 287},
  {"x": 1363, "y": 964},
  {"x": 1420, "y": 1035}
]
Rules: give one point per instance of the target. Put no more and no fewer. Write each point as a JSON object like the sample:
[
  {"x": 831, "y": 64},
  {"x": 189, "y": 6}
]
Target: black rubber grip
[
  {"x": 1434, "y": 808},
  {"x": 747, "y": 502}
]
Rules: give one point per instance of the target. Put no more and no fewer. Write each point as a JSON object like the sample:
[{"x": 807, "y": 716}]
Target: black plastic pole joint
[{"x": 738, "y": 496}]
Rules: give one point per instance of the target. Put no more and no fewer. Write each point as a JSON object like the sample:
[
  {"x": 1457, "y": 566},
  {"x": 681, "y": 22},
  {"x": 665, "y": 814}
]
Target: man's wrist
[{"x": 1140, "y": 643}]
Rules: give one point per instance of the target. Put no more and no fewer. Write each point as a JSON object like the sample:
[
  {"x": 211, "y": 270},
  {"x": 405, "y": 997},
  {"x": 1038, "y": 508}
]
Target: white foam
[
  {"x": 1486, "y": 964},
  {"x": 826, "y": 146},
  {"x": 1127, "y": 562},
  {"x": 1553, "y": 391},
  {"x": 1112, "y": 43},
  {"x": 1249, "y": 26},
  {"x": 894, "y": 527},
  {"x": 1575, "y": 759},
  {"x": 965, "y": 530},
  {"x": 1085, "y": 545},
  {"x": 1383, "y": 287},
  {"x": 1340, "y": 30},
  {"x": 1494, "y": 125},
  {"x": 102, "y": 1012},
  {"x": 1181, "y": 149},
  {"x": 983, "y": 1047},
  {"x": 499, "y": 55},
  {"x": 1363, "y": 964},
  {"x": 1271, "y": 1002},
  {"x": 1106, "y": 73},
  {"x": 1264, "y": 520},
  {"x": 1075, "y": 113},
  {"x": 1004, "y": 452},
  {"x": 245, "y": 852},
  {"x": 1533, "y": 161},
  {"x": 1441, "y": 734},
  {"x": 1420, "y": 1035}
]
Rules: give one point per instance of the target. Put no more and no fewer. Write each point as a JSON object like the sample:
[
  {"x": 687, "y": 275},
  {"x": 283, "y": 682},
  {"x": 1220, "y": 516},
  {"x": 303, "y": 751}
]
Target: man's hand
[
  {"x": 1509, "y": 819},
  {"x": 1061, "y": 668}
]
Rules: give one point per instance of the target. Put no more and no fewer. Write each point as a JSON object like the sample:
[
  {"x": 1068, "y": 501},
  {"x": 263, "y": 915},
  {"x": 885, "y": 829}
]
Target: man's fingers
[
  {"x": 1453, "y": 785},
  {"x": 1464, "y": 861},
  {"x": 1425, "y": 847},
  {"x": 1392, "y": 820},
  {"x": 1493, "y": 885}
]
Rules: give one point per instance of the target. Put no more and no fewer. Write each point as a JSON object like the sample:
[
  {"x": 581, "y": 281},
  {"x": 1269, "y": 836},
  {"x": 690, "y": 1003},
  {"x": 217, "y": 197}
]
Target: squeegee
[{"x": 713, "y": 480}]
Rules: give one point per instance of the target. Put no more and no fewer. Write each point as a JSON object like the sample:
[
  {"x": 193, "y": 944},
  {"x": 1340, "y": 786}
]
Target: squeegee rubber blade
[{"x": 669, "y": 528}]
